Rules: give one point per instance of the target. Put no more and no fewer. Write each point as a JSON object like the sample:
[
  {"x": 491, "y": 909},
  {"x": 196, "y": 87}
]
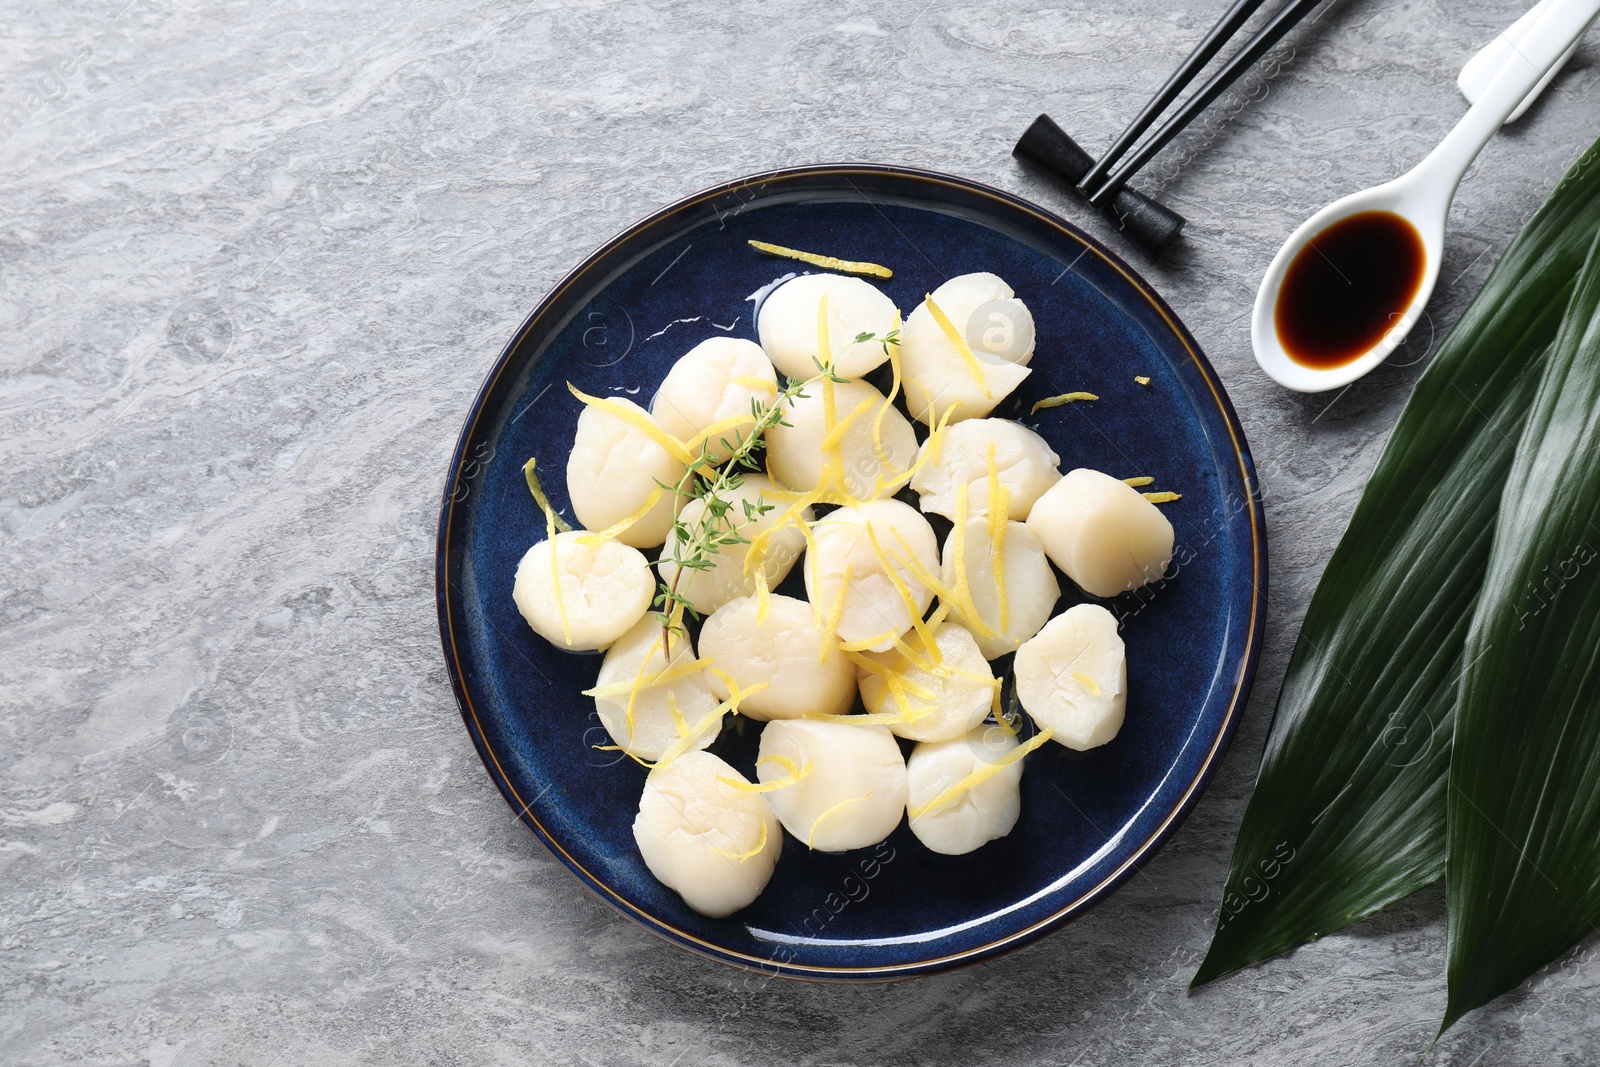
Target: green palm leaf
[
  {"x": 1348, "y": 815},
  {"x": 1523, "y": 873}
]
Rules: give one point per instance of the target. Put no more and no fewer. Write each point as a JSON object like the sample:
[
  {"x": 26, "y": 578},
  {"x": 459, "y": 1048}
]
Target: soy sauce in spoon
[{"x": 1348, "y": 287}]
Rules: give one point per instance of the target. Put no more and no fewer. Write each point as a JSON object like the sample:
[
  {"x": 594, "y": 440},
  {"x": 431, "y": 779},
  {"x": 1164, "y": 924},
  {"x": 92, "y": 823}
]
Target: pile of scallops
[{"x": 877, "y": 694}]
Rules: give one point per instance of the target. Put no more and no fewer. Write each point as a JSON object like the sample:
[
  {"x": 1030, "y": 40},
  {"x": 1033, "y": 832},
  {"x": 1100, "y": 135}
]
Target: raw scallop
[
  {"x": 706, "y": 838},
  {"x": 604, "y": 590}
]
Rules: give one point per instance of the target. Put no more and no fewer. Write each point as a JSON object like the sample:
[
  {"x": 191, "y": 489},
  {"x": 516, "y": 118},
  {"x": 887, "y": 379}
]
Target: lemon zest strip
[
  {"x": 1162, "y": 498},
  {"x": 763, "y": 596},
  {"x": 552, "y": 521},
  {"x": 961, "y": 589},
  {"x": 621, "y": 525},
  {"x": 785, "y": 762},
  {"x": 552, "y": 518},
  {"x": 1143, "y": 479},
  {"x": 999, "y": 517},
  {"x": 1141, "y": 379},
  {"x": 918, "y": 570},
  {"x": 816, "y": 259},
  {"x": 633, "y": 691},
  {"x": 1086, "y": 681},
  {"x": 679, "y": 723},
  {"x": 923, "y": 456},
  {"x": 901, "y": 588},
  {"x": 740, "y": 857},
  {"x": 894, "y": 390},
  {"x": 666, "y": 676},
  {"x": 884, "y": 671},
  {"x": 824, "y": 349},
  {"x": 767, "y": 787},
  {"x": 1064, "y": 398},
  {"x": 954, "y": 337},
  {"x": 812, "y": 836},
  {"x": 756, "y": 383},
  {"x": 879, "y": 718},
  {"x": 865, "y": 644},
  {"x": 683, "y": 744},
  {"x": 982, "y": 774},
  {"x": 830, "y": 627},
  {"x": 928, "y": 659},
  {"x": 834, "y": 438},
  {"x": 716, "y": 430},
  {"x": 639, "y": 419},
  {"x": 999, "y": 715}
]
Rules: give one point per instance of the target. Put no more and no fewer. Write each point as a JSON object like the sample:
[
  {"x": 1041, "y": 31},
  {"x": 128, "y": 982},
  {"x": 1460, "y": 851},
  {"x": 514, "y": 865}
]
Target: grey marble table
[{"x": 255, "y": 258}]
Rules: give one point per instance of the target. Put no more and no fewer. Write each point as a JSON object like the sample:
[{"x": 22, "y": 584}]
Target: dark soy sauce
[{"x": 1348, "y": 287}]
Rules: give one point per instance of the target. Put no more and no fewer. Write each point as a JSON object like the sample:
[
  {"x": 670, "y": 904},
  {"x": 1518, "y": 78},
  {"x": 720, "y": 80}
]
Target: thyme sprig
[{"x": 698, "y": 541}]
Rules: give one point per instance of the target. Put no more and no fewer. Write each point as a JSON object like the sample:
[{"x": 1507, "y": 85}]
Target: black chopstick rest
[{"x": 1146, "y": 223}]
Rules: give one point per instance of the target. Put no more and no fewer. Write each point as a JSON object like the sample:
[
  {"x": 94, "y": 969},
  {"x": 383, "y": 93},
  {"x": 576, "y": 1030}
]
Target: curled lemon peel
[
  {"x": 763, "y": 596},
  {"x": 678, "y": 722},
  {"x": 896, "y": 684},
  {"x": 834, "y": 438},
  {"x": 755, "y": 383},
  {"x": 740, "y": 857},
  {"x": 900, "y": 477},
  {"x": 786, "y": 763},
  {"x": 699, "y": 729},
  {"x": 816, "y": 259},
  {"x": 555, "y": 587},
  {"x": 640, "y": 420},
  {"x": 792, "y": 516},
  {"x": 795, "y": 774},
  {"x": 884, "y": 671},
  {"x": 1086, "y": 681},
  {"x": 830, "y": 627},
  {"x": 755, "y": 568},
  {"x": 1063, "y": 398},
  {"x": 960, "y": 587},
  {"x": 1000, "y": 718},
  {"x": 716, "y": 430},
  {"x": 999, "y": 517},
  {"x": 552, "y": 518},
  {"x": 929, "y": 658},
  {"x": 833, "y": 478},
  {"x": 552, "y": 523},
  {"x": 881, "y": 718},
  {"x": 1162, "y": 498},
  {"x": 812, "y": 836},
  {"x": 824, "y": 348},
  {"x": 909, "y": 712},
  {"x": 864, "y": 644},
  {"x": 982, "y": 774},
  {"x": 962, "y": 348},
  {"x": 893, "y": 351},
  {"x": 779, "y": 495},
  {"x": 666, "y": 676},
  {"x": 633, "y": 691},
  {"x": 616, "y": 529},
  {"x": 918, "y": 570},
  {"x": 900, "y": 587},
  {"x": 1143, "y": 479}
]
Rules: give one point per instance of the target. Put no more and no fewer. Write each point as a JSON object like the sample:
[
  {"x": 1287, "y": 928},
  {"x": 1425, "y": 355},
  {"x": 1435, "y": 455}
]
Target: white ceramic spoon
[
  {"x": 1480, "y": 70},
  {"x": 1421, "y": 196}
]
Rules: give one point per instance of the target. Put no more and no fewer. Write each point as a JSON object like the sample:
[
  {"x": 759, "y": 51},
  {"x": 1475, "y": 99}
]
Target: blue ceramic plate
[{"x": 616, "y": 324}]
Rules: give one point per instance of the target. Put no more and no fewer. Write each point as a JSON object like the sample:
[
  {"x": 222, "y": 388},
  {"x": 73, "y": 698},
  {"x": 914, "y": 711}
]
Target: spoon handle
[{"x": 1546, "y": 41}]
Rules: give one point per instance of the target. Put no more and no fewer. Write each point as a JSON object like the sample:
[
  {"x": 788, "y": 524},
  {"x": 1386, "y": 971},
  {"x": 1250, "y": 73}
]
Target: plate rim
[{"x": 1084, "y": 901}]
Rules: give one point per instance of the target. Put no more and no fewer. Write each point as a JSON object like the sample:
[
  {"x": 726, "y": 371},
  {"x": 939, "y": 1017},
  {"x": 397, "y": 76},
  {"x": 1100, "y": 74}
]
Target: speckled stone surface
[{"x": 256, "y": 256}]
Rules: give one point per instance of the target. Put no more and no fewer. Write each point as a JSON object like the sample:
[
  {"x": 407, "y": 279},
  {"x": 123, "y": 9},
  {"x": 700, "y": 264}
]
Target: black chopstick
[
  {"x": 1269, "y": 35},
  {"x": 1220, "y": 34}
]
